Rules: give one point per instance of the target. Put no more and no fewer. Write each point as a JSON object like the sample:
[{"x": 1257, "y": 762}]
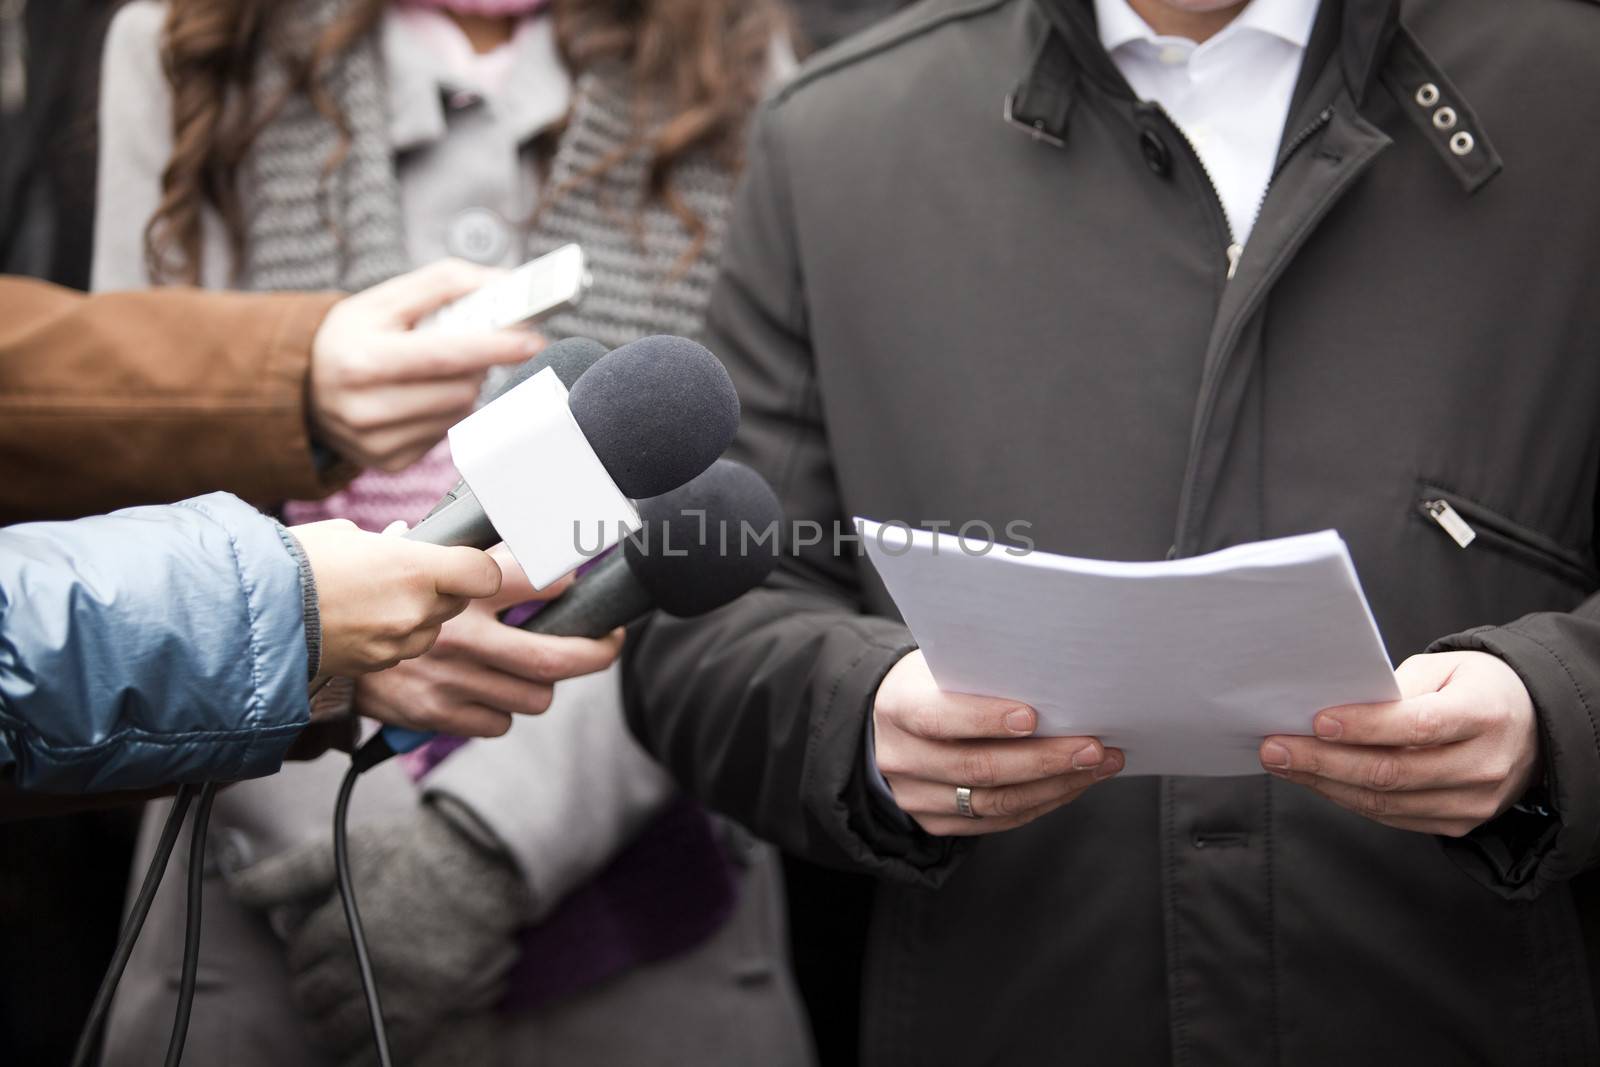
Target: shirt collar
[{"x": 1289, "y": 20}]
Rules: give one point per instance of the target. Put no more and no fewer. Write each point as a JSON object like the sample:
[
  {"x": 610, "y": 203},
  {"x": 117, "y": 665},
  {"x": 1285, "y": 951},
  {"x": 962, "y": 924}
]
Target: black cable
[
  {"x": 191, "y": 929},
  {"x": 352, "y": 916},
  {"x": 89, "y": 1038}
]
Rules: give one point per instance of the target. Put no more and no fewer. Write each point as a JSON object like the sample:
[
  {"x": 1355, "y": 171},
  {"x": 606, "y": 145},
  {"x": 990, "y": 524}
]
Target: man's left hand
[{"x": 1459, "y": 748}]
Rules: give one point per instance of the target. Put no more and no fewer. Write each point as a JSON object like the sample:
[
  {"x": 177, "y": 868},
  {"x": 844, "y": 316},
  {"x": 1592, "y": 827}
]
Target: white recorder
[{"x": 530, "y": 293}]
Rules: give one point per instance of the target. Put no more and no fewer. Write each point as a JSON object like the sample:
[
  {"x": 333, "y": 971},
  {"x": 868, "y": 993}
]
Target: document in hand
[{"x": 1185, "y": 665}]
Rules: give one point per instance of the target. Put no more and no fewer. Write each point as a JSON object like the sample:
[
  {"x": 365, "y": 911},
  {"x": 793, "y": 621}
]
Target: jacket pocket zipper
[
  {"x": 1450, "y": 521},
  {"x": 1468, "y": 523}
]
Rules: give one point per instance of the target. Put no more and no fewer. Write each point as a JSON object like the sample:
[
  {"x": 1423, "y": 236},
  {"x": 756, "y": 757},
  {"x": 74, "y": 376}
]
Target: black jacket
[{"x": 934, "y": 313}]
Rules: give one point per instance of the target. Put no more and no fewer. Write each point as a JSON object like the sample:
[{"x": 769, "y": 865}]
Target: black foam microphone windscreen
[
  {"x": 706, "y": 542},
  {"x": 656, "y": 411},
  {"x": 569, "y": 357}
]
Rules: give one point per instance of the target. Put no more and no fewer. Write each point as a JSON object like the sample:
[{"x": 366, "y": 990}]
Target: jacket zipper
[
  {"x": 1468, "y": 523},
  {"x": 1450, "y": 521},
  {"x": 1235, "y": 249}
]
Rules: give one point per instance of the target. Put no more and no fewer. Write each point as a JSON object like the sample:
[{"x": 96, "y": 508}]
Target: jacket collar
[
  {"x": 1361, "y": 31},
  {"x": 1366, "y": 39},
  {"x": 1366, "y": 28}
]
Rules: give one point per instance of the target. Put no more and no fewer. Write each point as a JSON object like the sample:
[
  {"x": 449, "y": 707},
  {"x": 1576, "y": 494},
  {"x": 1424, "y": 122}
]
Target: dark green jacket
[{"x": 932, "y": 312}]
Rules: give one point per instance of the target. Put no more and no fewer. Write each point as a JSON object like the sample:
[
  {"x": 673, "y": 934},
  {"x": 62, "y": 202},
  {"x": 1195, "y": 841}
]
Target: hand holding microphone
[
  {"x": 381, "y": 599},
  {"x": 700, "y": 546},
  {"x": 655, "y": 413},
  {"x": 481, "y": 672}
]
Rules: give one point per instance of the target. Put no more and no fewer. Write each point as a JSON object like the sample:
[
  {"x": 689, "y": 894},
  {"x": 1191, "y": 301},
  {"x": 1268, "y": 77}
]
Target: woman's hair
[{"x": 696, "y": 68}]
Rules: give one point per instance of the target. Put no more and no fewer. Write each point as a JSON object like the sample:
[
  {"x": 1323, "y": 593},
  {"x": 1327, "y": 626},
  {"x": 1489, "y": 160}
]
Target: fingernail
[
  {"x": 1019, "y": 721},
  {"x": 1090, "y": 756},
  {"x": 1327, "y": 727},
  {"x": 1275, "y": 755},
  {"x": 1111, "y": 766},
  {"x": 533, "y": 345}
]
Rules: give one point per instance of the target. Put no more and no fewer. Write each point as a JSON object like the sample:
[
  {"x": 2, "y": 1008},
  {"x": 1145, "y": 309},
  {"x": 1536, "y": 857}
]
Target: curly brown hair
[{"x": 701, "y": 63}]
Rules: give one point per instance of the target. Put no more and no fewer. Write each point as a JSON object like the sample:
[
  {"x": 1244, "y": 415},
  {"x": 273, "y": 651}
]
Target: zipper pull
[
  {"x": 1450, "y": 521},
  {"x": 1235, "y": 250}
]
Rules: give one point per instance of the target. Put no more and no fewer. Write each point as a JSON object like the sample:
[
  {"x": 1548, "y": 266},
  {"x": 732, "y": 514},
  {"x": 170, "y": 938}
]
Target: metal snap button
[
  {"x": 1156, "y": 156},
  {"x": 1444, "y": 118},
  {"x": 1462, "y": 143},
  {"x": 1428, "y": 94},
  {"x": 478, "y": 234}
]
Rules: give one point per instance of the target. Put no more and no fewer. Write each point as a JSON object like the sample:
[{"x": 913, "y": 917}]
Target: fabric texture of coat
[
  {"x": 973, "y": 277},
  {"x": 152, "y": 646},
  {"x": 119, "y": 399}
]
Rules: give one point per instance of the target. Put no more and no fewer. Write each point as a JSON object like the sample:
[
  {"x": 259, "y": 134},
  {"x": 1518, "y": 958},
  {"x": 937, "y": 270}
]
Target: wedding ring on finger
[{"x": 964, "y": 803}]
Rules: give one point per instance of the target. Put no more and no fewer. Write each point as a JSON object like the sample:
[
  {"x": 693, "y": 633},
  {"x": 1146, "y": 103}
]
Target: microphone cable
[
  {"x": 369, "y": 755},
  {"x": 191, "y": 927},
  {"x": 89, "y": 1038}
]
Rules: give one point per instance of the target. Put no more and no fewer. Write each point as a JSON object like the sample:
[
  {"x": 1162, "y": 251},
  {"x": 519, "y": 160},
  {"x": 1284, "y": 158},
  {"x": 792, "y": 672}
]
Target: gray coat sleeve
[
  {"x": 759, "y": 708},
  {"x": 149, "y": 646}
]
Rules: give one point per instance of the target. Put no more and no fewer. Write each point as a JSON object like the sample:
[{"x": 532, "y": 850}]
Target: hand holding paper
[
  {"x": 1459, "y": 748},
  {"x": 929, "y": 742},
  {"x": 1184, "y": 665}
]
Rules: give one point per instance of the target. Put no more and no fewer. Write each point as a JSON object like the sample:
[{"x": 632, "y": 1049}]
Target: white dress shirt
[{"x": 1230, "y": 95}]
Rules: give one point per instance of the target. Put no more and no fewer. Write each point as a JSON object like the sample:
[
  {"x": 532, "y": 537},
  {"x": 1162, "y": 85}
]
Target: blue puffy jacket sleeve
[{"x": 150, "y": 646}]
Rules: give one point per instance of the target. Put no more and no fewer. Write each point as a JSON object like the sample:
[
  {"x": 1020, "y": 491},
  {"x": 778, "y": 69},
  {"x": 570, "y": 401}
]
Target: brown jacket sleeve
[{"x": 118, "y": 399}]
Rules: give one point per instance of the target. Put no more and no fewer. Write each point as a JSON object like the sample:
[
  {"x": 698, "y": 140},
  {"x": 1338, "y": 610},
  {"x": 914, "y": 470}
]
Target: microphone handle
[
  {"x": 461, "y": 521},
  {"x": 450, "y": 498},
  {"x": 612, "y": 597}
]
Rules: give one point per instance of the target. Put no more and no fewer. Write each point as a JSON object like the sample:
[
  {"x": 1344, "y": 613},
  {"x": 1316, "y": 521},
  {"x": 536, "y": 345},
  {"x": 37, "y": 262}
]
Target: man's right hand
[
  {"x": 383, "y": 599},
  {"x": 929, "y": 742},
  {"x": 382, "y": 395}
]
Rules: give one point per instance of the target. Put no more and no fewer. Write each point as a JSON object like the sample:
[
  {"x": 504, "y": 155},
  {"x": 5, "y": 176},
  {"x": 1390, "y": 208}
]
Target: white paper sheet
[
  {"x": 1184, "y": 665},
  {"x": 539, "y": 481}
]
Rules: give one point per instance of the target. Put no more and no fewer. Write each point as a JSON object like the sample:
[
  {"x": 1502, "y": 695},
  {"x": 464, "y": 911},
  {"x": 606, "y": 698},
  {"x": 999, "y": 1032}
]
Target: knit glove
[
  {"x": 475, "y": 1041},
  {"x": 439, "y": 907}
]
